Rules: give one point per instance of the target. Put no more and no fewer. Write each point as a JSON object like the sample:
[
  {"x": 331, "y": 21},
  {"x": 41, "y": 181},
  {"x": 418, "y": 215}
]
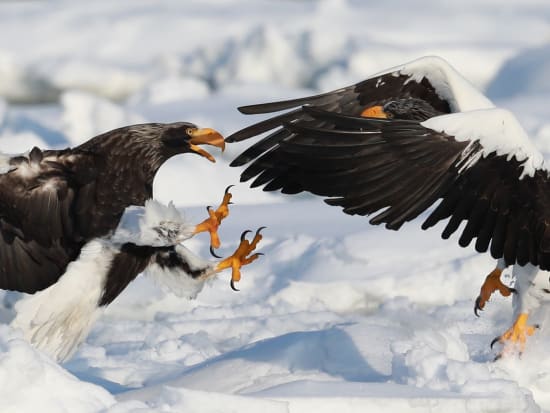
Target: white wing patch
[
  {"x": 448, "y": 83},
  {"x": 497, "y": 130}
]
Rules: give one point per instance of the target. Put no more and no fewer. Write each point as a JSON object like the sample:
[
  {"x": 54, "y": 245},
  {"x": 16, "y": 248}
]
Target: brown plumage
[{"x": 53, "y": 201}]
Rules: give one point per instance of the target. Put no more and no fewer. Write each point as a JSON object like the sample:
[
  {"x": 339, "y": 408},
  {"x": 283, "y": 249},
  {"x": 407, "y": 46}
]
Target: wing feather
[{"x": 394, "y": 170}]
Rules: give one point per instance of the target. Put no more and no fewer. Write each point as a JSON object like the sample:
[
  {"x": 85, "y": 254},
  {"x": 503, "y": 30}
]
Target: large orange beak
[
  {"x": 205, "y": 136},
  {"x": 374, "y": 112}
]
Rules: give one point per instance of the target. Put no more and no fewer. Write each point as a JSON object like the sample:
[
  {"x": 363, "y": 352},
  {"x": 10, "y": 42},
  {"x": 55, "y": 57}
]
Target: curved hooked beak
[{"x": 205, "y": 136}]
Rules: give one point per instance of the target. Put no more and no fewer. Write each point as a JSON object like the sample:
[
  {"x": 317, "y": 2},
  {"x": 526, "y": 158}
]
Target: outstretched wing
[
  {"x": 431, "y": 79},
  {"x": 481, "y": 164}
]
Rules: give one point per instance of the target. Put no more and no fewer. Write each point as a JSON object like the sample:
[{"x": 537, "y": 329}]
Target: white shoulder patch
[
  {"x": 448, "y": 83},
  {"x": 497, "y": 130}
]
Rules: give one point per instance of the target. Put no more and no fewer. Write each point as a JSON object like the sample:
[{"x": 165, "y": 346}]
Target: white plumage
[
  {"x": 497, "y": 130},
  {"x": 56, "y": 320}
]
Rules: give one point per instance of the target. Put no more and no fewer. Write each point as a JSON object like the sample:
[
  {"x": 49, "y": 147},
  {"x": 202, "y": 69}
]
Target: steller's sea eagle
[
  {"x": 68, "y": 236},
  {"x": 398, "y": 142}
]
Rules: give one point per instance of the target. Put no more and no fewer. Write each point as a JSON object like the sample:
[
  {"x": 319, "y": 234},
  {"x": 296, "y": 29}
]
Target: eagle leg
[
  {"x": 492, "y": 283},
  {"x": 515, "y": 337},
  {"x": 241, "y": 257},
  {"x": 215, "y": 217}
]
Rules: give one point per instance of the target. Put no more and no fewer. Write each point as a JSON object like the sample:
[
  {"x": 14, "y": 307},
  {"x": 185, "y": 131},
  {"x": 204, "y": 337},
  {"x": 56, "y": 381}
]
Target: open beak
[
  {"x": 205, "y": 136},
  {"x": 374, "y": 112}
]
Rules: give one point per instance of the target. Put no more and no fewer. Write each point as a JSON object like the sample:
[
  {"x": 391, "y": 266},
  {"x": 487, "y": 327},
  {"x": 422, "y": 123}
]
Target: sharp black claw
[
  {"x": 477, "y": 307},
  {"x": 260, "y": 230},
  {"x": 228, "y": 188},
  {"x": 213, "y": 253},
  {"x": 497, "y": 357},
  {"x": 513, "y": 290},
  {"x": 231, "y": 203},
  {"x": 208, "y": 208},
  {"x": 244, "y": 234},
  {"x": 495, "y": 340},
  {"x": 232, "y": 284}
]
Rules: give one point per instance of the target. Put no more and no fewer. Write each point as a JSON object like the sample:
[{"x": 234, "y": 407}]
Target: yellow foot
[
  {"x": 492, "y": 283},
  {"x": 515, "y": 337},
  {"x": 240, "y": 257},
  {"x": 212, "y": 223}
]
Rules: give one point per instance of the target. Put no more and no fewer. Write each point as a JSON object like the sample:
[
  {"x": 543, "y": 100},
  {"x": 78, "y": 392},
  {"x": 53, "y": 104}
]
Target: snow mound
[
  {"x": 97, "y": 77},
  {"x": 86, "y": 116},
  {"x": 32, "y": 382},
  {"x": 525, "y": 73}
]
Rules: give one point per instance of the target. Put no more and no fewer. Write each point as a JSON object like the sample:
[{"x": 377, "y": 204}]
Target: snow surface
[{"x": 338, "y": 315}]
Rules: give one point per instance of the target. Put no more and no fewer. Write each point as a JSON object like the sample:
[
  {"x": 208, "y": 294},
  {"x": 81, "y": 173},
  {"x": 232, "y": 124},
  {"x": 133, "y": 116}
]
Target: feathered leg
[
  {"x": 524, "y": 302},
  {"x": 492, "y": 283}
]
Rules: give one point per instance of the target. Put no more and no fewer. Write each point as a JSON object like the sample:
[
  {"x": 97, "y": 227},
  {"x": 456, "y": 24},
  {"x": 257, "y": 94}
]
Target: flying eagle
[
  {"x": 398, "y": 142},
  {"x": 67, "y": 234}
]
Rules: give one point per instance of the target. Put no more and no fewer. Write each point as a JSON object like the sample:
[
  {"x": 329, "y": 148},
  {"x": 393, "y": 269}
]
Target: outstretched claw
[
  {"x": 243, "y": 235},
  {"x": 515, "y": 337},
  {"x": 241, "y": 257},
  {"x": 492, "y": 283},
  {"x": 213, "y": 253},
  {"x": 232, "y": 285},
  {"x": 215, "y": 217}
]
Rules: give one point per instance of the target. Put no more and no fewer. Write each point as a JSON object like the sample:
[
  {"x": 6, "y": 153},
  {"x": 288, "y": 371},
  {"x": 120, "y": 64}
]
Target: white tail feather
[{"x": 57, "y": 319}]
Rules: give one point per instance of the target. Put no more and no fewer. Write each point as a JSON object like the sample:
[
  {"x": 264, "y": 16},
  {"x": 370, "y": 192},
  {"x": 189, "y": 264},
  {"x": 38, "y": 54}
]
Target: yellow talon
[
  {"x": 240, "y": 257},
  {"x": 215, "y": 217},
  {"x": 515, "y": 337},
  {"x": 492, "y": 283}
]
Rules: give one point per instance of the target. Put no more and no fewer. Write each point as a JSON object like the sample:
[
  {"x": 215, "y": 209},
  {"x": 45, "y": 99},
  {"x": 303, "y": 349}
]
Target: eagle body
[
  {"x": 64, "y": 233},
  {"x": 413, "y": 138},
  {"x": 54, "y": 201},
  {"x": 472, "y": 157}
]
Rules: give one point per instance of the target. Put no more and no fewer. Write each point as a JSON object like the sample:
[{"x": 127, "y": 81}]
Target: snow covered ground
[{"x": 338, "y": 315}]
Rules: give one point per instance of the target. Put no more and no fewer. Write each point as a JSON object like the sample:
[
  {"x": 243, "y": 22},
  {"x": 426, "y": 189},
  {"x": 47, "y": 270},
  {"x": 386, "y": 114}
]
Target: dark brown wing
[
  {"x": 53, "y": 202},
  {"x": 396, "y": 169},
  {"x": 38, "y": 220},
  {"x": 364, "y": 165},
  {"x": 503, "y": 211},
  {"x": 351, "y": 100},
  {"x": 133, "y": 259}
]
